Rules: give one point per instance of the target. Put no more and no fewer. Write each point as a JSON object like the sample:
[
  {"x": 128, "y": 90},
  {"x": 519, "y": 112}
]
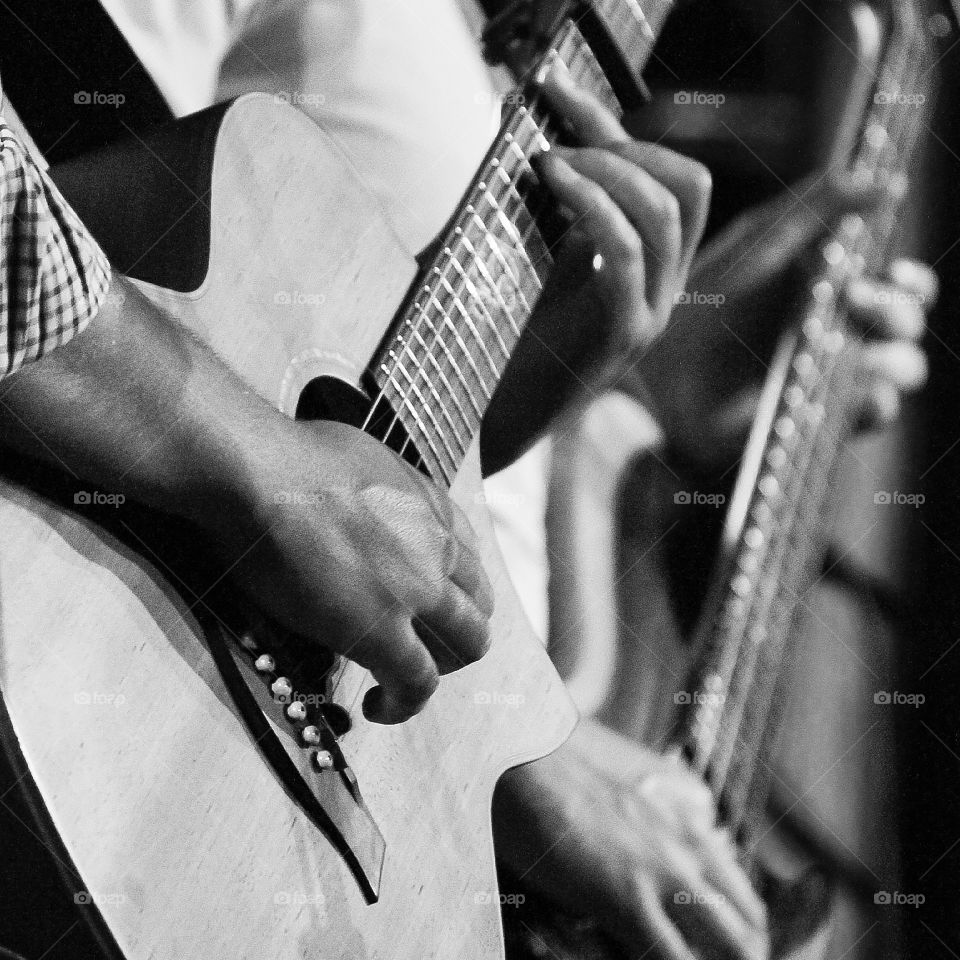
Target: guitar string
[
  {"x": 759, "y": 787},
  {"x": 581, "y": 58},
  {"x": 768, "y": 551},
  {"x": 770, "y": 592},
  {"x": 821, "y": 430},
  {"x": 734, "y": 698},
  {"x": 512, "y": 126},
  {"x": 511, "y": 187},
  {"x": 903, "y": 131}
]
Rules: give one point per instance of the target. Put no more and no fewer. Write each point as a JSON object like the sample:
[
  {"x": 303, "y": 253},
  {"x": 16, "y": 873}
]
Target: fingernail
[{"x": 554, "y": 68}]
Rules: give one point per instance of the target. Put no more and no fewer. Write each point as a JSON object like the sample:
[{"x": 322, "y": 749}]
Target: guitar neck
[
  {"x": 784, "y": 501},
  {"x": 446, "y": 352}
]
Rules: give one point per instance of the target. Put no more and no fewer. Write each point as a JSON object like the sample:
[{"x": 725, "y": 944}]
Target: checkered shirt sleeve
[{"x": 53, "y": 275}]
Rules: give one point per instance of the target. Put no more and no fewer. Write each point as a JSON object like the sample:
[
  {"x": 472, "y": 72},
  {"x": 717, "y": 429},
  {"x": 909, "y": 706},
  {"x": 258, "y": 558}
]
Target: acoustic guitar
[
  {"x": 725, "y": 720},
  {"x": 211, "y": 790}
]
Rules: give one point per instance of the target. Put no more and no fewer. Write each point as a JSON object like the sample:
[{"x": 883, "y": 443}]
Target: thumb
[{"x": 760, "y": 245}]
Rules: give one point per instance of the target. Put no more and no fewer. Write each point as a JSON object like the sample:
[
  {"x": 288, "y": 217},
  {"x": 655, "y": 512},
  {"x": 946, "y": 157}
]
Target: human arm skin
[{"x": 373, "y": 557}]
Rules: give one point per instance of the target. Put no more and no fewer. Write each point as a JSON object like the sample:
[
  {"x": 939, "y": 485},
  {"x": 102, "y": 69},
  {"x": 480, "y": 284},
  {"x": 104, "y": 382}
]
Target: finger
[
  {"x": 686, "y": 798},
  {"x": 666, "y": 942},
  {"x": 916, "y": 278},
  {"x": 762, "y": 243},
  {"x": 469, "y": 575},
  {"x": 721, "y": 870},
  {"x": 405, "y": 671},
  {"x": 878, "y": 406},
  {"x": 608, "y": 229},
  {"x": 652, "y": 210},
  {"x": 881, "y": 310},
  {"x": 547, "y": 15},
  {"x": 590, "y": 122},
  {"x": 902, "y": 366},
  {"x": 687, "y": 179},
  {"x": 467, "y": 570},
  {"x": 708, "y": 920},
  {"x": 455, "y": 631}
]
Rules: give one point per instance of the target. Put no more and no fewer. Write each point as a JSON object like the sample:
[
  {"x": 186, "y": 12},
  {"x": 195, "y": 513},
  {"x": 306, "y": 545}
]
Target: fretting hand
[
  {"x": 638, "y": 213},
  {"x": 706, "y": 371}
]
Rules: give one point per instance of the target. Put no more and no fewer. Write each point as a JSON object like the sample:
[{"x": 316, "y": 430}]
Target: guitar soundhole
[{"x": 329, "y": 398}]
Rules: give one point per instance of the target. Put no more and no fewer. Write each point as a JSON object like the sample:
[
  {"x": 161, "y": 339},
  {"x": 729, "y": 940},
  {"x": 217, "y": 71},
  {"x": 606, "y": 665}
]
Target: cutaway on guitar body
[{"x": 184, "y": 838}]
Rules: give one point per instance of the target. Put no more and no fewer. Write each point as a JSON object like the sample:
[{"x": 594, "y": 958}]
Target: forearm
[{"x": 137, "y": 405}]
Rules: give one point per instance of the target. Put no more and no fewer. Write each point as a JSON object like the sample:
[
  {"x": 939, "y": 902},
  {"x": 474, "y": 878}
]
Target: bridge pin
[
  {"x": 297, "y": 710},
  {"x": 265, "y": 663},
  {"x": 310, "y": 734},
  {"x": 323, "y": 759},
  {"x": 281, "y": 688}
]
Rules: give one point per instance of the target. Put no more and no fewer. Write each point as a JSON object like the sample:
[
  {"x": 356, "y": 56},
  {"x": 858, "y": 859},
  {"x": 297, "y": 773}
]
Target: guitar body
[{"x": 184, "y": 842}]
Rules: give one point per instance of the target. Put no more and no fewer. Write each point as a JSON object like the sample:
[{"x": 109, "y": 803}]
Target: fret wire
[
  {"x": 801, "y": 569},
  {"x": 518, "y": 243},
  {"x": 476, "y": 297},
  {"x": 773, "y": 545},
  {"x": 511, "y": 126},
  {"x": 873, "y": 162},
  {"x": 436, "y": 395},
  {"x": 405, "y": 402},
  {"x": 463, "y": 312},
  {"x": 524, "y": 126},
  {"x": 764, "y": 596},
  {"x": 782, "y": 576},
  {"x": 529, "y": 236},
  {"x": 806, "y": 501},
  {"x": 471, "y": 326},
  {"x": 463, "y": 415},
  {"x": 435, "y": 330},
  {"x": 903, "y": 127},
  {"x": 426, "y": 406},
  {"x": 494, "y": 247},
  {"x": 447, "y": 322},
  {"x": 453, "y": 363},
  {"x": 424, "y": 317},
  {"x": 488, "y": 279}
]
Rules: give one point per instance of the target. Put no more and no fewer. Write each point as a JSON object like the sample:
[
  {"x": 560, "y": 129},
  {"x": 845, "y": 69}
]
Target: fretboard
[
  {"x": 447, "y": 350},
  {"x": 784, "y": 500}
]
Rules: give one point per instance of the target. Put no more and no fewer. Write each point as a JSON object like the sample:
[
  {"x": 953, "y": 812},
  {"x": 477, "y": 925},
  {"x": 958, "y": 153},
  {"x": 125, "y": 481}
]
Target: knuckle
[
  {"x": 472, "y": 629},
  {"x": 701, "y": 184},
  {"x": 596, "y": 197},
  {"x": 668, "y": 213},
  {"x": 627, "y": 247}
]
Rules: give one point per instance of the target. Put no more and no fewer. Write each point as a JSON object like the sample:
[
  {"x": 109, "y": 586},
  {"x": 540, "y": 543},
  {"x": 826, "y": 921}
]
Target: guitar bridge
[{"x": 331, "y": 799}]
